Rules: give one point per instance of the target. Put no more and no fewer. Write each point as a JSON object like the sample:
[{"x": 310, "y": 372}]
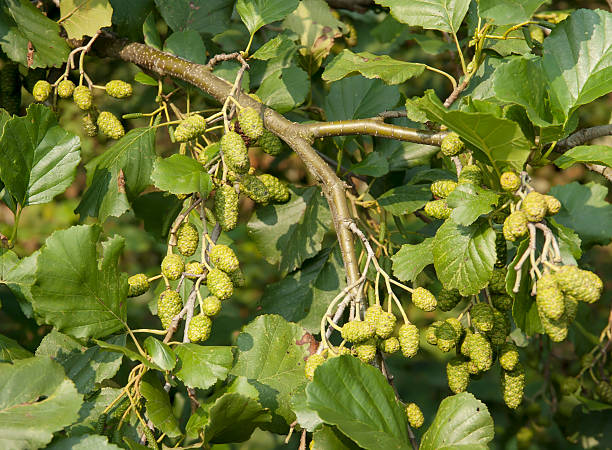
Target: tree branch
[
  {"x": 582, "y": 136},
  {"x": 602, "y": 170},
  {"x": 200, "y": 76},
  {"x": 360, "y": 6}
]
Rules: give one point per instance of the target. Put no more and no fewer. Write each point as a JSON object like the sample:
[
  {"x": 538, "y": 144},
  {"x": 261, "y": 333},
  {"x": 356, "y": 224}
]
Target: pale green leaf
[
  {"x": 160, "y": 353},
  {"x": 284, "y": 89},
  {"x": 464, "y": 256},
  {"x": 469, "y": 202},
  {"x": 280, "y": 45},
  {"x": 158, "y": 405},
  {"x": 257, "y": 13},
  {"x": 19, "y": 276},
  {"x": 85, "y": 17},
  {"x": 83, "y": 442},
  {"x": 180, "y": 174},
  {"x": 593, "y": 154},
  {"x": 356, "y": 398},
  {"x": 462, "y": 422},
  {"x": 405, "y": 199},
  {"x": 410, "y": 260},
  {"x": 443, "y": 15},
  {"x": 10, "y": 350},
  {"x": 329, "y": 438},
  {"x": 508, "y": 11},
  {"x": 202, "y": 366}
]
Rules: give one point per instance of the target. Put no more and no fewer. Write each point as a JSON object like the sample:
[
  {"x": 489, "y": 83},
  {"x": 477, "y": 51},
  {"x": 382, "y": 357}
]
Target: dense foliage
[{"x": 335, "y": 224}]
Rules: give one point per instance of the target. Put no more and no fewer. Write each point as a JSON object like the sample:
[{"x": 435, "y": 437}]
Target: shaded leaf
[
  {"x": 280, "y": 45},
  {"x": 524, "y": 309},
  {"x": 85, "y": 17},
  {"x": 204, "y": 16},
  {"x": 202, "y": 366},
  {"x": 128, "y": 17},
  {"x": 10, "y": 350},
  {"x": 329, "y": 438},
  {"x": 131, "y": 354},
  {"x": 373, "y": 165},
  {"x": 158, "y": 405},
  {"x": 187, "y": 44},
  {"x": 257, "y": 13},
  {"x": 405, "y": 199},
  {"x": 410, "y": 260},
  {"x": 19, "y": 276},
  {"x": 157, "y": 210}
]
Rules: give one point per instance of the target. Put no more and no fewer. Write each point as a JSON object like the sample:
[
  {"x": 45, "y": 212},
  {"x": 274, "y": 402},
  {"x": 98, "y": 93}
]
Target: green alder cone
[
  {"x": 118, "y": 89},
  {"x": 446, "y": 337},
  {"x": 471, "y": 175},
  {"x": 82, "y": 97},
  {"x": 430, "y": 334},
  {"x": 458, "y": 375},
  {"x": 555, "y": 329},
  {"x": 604, "y": 391},
  {"x": 65, "y": 89},
  {"x": 372, "y": 315},
  {"x": 109, "y": 125},
  {"x": 510, "y": 181},
  {"x": 278, "y": 192},
  {"x": 480, "y": 351},
  {"x": 226, "y": 207},
  {"x": 390, "y": 345},
  {"x": 235, "y": 154},
  {"x": 583, "y": 285},
  {"x": 438, "y": 209},
  {"x": 415, "y": 416},
  {"x": 423, "y": 299},
  {"x": 270, "y": 143},
  {"x": 553, "y": 205},
  {"x": 366, "y": 351},
  {"x": 169, "y": 305},
  {"x": 250, "y": 123},
  {"x": 524, "y": 437},
  {"x": 237, "y": 278},
  {"x": 385, "y": 325},
  {"x": 497, "y": 283},
  {"x": 137, "y": 285},
  {"x": 534, "y": 206},
  {"x": 219, "y": 284},
  {"x": 254, "y": 188},
  {"x": 464, "y": 348},
  {"x": 194, "y": 268},
  {"x": 501, "y": 250},
  {"x": 448, "y": 299},
  {"x": 501, "y": 328},
  {"x": 482, "y": 317},
  {"x": 456, "y": 324},
  {"x": 199, "y": 328},
  {"x": 443, "y": 188},
  {"x": 89, "y": 126},
  {"x": 357, "y": 331},
  {"x": 311, "y": 365},
  {"x": 187, "y": 239},
  {"x": 502, "y": 302},
  {"x": 452, "y": 145},
  {"x": 41, "y": 91},
  {"x": 190, "y": 128},
  {"x": 172, "y": 267},
  {"x": 408, "y": 337},
  {"x": 569, "y": 385},
  {"x": 513, "y": 384},
  {"x": 515, "y": 226},
  {"x": 211, "y": 306},
  {"x": 549, "y": 298},
  {"x": 224, "y": 258},
  {"x": 508, "y": 356}
]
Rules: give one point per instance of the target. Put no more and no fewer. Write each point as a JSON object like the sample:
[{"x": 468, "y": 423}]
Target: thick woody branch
[
  {"x": 583, "y": 136},
  {"x": 200, "y": 76}
]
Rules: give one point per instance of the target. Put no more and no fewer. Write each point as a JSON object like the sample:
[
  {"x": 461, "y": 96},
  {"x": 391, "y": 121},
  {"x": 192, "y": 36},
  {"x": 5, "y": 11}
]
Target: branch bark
[
  {"x": 292, "y": 133},
  {"x": 583, "y": 136}
]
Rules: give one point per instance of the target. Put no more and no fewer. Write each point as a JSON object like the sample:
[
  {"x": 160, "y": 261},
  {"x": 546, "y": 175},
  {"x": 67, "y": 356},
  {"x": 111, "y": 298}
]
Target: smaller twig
[
  {"x": 456, "y": 92},
  {"x": 458, "y": 166},
  {"x": 392, "y": 114},
  {"x": 582, "y": 136}
]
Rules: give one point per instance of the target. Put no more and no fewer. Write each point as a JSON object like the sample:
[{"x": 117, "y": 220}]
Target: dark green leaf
[
  {"x": 443, "y": 15},
  {"x": 84, "y": 366},
  {"x": 202, "y": 366},
  {"x": 596, "y": 154},
  {"x": 128, "y": 17},
  {"x": 160, "y": 353},
  {"x": 585, "y": 210},
  {"x": 279, "y": 46},
  {"x": 36, "y": 400},
  {"x": 310, "y": 289},
  {"x": 83, "y": 442},
  {"x": 357, "y": 399},
  {"x": 289, "y": 234},
  {"x": 186, "y": 44},
  {"x": 469, "y": 202},
  {"x": 78, "y": 291},
  {"x": 284, "y": 89},
  {"x": 373, "y": 165},
  {"x": 10, "y": 350},
  {"x": 405, "y": 199},
  {"x": 85, "y": 17},
  {"x": 149, "y": 30},
  {"x": 329, "y": 438},
  {"x": 524, "y": 309},
  {"x": 410, "y": 260},
  {"x": 157, "y": 210},
  {"x": 508, "y": 11},
  {"x": 257, "y": 13},
  {"x": 180, "y": 174},
  {"x": 464, "y": 256},
  {"x": 272, "y": 361},
  {"x": 19, "y": 276},
  {"x": 38, "y": 158},
  {"x": 131, "y": 354},
  {"x": 462, "y": 421},
  {"x": 391, "y": 71},
  {"x": 158, "y": 405},
  {"x": 204, "y": 16}
]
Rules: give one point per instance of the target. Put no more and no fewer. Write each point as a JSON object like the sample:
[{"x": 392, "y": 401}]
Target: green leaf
[
  {"x": 284, "y": 89},
  {"x": 569, "y": 242},
  {"x": 157, "y": 210},
  {"x": 469, "y": 202},
  {"x": 230, "y": 418},
  {"x": 158, "y": 405},
  {"x": 187, "y": 44},
  {"x": 91, "y": 409},
  {"x": 464, "y": 256},
  {"x": 595, "y": 154},
  {"x": 10, "y": 350},
  {"x": 128, "y": 17},
  {"x": 83, "y": 442},
  {"x": 305, "y": 417},
  {"x": 410, "y": 260},
  {"x": 289, "y": 234},
  {"x": 585, "y": 210},
  {"x": 119, "y": 174},
  {"x": 280, "y": 45},
  {"x": 203, "y": 16},
  {"x": 131, "y": 354},
  {"x": 391, "y": 71},
  {"x": 329, "y": 438},
  {"x": 508, "y": 11},
  {"x": 38, "y": 158},
  {"x": 145, "y": 79},
  {"x": 19, "y": 276},
  {"x": 22, "y": 23},
  {"x": 36, "y": 400},
  {"x": 443, "y": 15},
  {"x": 257, "y": 13},
  {"x": 405, "y": 199},
  {"x": 373, "y": 165},
  {"x": 269, "y": 357},
  {"x": 84, "y": 366},
  {"x": 202, "y": 366},
  {"x": 357, "y": 399},
  {"x": 500, "y": 140},
  {"x": 78, "y": 291},
  {"x": 85, "y": 17},
  {"x": 150, "y": 33},
  {"x": 462, "y": 421},
  {"x": 179, "y": 174},
  {"x": 160, "y": 353},
  {"x": 310, "y": 289}
]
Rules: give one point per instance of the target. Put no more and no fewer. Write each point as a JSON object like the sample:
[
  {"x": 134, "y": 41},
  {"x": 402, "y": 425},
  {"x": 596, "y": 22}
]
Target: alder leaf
[
  {"x": 443, "y": 15},
  {"x": 158, "y": 405},
  {"x": 202, "y": 366},
  {"x": 508, "y": 11},
  {"x": 590, "y": 154},
  {"x": 203, "y": 16},
  {"x": 85, "y": 17},
  {"x": 257, "y": 13},
  {"x": 469, "y": 202},
  {"x": 405, "y": 199},
  {"x": 179, "y": 174},
  {"x": 410, "y": 260}
]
